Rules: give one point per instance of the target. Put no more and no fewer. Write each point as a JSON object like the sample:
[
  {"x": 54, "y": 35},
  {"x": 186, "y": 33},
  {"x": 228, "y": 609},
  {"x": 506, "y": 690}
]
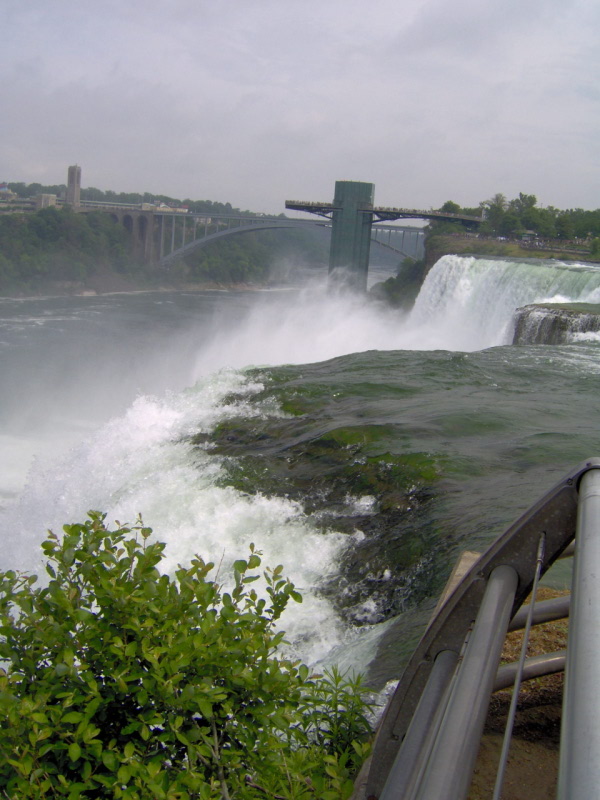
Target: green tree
[
  {"x": 122, "y": 682},
  {"x": 523, "y": 203},
  {"x": 450, "y": 208},
  {"x": 510, "y": 224},
  {"x": 494, "y": 210},
  {"x": 564, "y": 227}
]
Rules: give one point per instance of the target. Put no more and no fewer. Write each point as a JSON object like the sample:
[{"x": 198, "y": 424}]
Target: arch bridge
[
  {"x": 164, "y": 235},
  {"x": 201, "y": 230}
]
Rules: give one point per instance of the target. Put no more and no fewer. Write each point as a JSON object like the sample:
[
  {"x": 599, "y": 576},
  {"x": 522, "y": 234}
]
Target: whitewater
[{"x": 102, "y": 400}]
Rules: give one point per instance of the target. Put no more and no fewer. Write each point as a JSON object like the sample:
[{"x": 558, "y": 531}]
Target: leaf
[
  {"x": 25, "y": 764},
  {"x": 154, "y": 768},
  {"x": 74, "y": 751},
  {"x": 205, "y": 709},
  {"x": 109, "y": 759},
  {"x": 72, "y": 717}
]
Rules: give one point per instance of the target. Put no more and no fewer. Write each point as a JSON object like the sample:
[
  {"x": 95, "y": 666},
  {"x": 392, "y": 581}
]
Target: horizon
[{"x": 275, "y": 213}]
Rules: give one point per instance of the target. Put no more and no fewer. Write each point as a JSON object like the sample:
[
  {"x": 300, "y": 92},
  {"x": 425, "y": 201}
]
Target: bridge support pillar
[{"x": 351, "y": 233}]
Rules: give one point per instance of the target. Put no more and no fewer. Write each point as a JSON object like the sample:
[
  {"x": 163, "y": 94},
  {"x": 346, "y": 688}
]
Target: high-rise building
[{"x": 73, "y": 185}]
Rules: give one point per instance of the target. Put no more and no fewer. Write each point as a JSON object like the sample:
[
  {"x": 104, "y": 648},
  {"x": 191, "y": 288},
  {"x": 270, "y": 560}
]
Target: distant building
[
  {"x": 73, "y": 186},
  {"x": 45, "y": 201}
]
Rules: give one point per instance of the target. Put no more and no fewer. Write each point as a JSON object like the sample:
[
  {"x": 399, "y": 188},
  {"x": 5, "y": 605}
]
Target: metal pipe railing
[
  {"x": 544, "y": 611},
  {"x": 579, "y": 765},
  {"x": 519, "y": 673},
  {"x": 448, "y": 772},
  {"x": 535, "y": 667},
  {"x": 413, "y": 752}
]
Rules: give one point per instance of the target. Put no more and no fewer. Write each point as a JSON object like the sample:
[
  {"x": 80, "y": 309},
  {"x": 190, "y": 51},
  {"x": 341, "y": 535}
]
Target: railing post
[
  {"x": 414, "y": 752},
  {"x": 579, "y": 766},
  {"x": 447, "y": 775}
]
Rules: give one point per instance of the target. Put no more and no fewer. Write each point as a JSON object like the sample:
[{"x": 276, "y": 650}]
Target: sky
[{"x": 254, "y": 102}]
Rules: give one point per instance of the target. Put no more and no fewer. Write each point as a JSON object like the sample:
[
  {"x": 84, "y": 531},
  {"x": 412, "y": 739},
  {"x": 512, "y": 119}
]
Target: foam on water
[
  {"x": 144, "y": 462},
  {"x": 587, "y": 336}
]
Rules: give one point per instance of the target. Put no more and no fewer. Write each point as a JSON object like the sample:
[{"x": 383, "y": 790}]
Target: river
[{"x": 360, "y": 447}]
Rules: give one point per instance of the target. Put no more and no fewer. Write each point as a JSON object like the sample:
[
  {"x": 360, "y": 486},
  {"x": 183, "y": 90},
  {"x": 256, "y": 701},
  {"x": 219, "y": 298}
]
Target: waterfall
[
  {"x": 471, "y": 301},
  {"x": 559, "y": 324}
]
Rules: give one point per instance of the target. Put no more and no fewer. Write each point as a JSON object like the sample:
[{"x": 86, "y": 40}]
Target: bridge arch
[
  {"x": 128, "y": 223},
  {"x": 189, "y": 248},
  {"x": 288, "y": 224}
]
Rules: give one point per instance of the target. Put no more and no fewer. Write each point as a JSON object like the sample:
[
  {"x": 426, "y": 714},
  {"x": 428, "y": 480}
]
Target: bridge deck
[{"x": 383, "y": 212}]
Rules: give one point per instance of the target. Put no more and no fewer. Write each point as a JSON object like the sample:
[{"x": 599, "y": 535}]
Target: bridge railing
[{"x": 428, "y": 739}]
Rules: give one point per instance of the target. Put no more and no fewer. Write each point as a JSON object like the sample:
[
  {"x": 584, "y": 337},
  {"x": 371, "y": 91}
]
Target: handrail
[
  {"x": 556, "y": 516},
  {"x": 579, "y": 764},
  {"x": 447, "y": 773},
  {"x": 512, "y": 713}
]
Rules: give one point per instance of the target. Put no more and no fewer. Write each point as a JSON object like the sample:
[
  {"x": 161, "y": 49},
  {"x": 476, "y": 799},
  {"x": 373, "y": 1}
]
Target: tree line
[
  {"x": 521, "y": 215},
  {"x": 39, "y": 249},
  {"x": 58, "y": 245}
]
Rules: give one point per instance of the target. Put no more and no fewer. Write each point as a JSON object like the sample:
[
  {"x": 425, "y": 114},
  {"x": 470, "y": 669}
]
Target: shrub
[{"x": 122, "y": 682}]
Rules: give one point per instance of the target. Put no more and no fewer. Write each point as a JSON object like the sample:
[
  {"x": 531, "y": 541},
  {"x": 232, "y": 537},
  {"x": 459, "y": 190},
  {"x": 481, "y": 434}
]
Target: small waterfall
[
  {"x": 559, "y": 324},
  {"x": 472, "y": 300}
]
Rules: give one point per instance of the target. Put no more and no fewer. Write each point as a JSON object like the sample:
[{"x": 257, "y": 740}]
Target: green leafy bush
[{"x": 118, "y": 681}]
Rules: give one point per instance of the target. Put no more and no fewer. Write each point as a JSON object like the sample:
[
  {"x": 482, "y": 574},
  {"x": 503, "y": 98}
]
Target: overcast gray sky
[{"x": 258, "y": 101}]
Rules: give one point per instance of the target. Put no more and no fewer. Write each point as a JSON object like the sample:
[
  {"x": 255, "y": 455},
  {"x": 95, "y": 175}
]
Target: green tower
[
  {"x": 352, "y": 214},
  {"x": 351, "y": 233}
]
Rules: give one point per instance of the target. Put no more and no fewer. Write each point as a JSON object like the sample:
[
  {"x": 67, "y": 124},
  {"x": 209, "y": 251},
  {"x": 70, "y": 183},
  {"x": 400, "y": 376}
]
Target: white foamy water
[{"x": 144, "y": 462}]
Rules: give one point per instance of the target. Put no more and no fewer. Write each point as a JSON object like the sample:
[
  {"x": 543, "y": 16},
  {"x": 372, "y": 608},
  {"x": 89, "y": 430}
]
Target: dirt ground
[{"x": 532, "y": 769}]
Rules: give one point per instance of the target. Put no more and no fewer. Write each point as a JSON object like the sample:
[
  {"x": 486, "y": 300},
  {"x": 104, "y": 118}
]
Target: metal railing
[{"x": 429, "y": 736}]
